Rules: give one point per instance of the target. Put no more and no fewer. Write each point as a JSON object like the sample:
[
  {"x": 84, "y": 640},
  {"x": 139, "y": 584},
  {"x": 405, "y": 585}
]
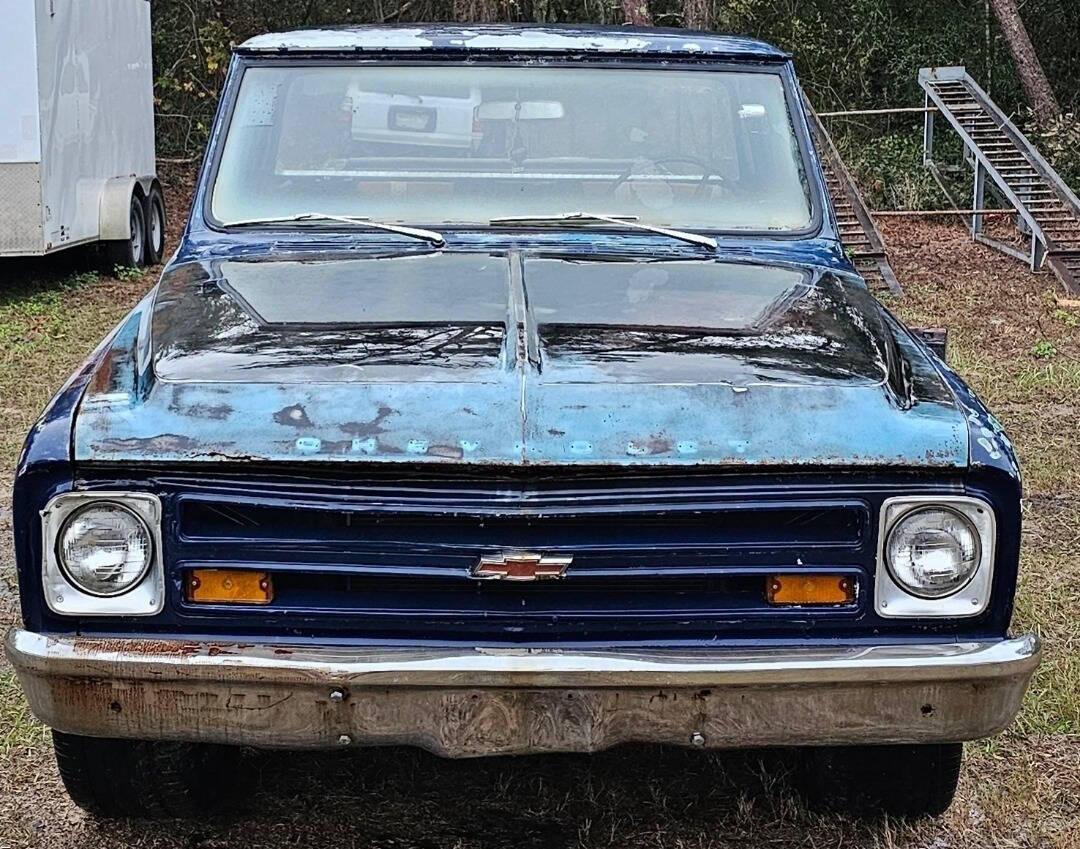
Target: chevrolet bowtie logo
[{"x": 521, "y": 566}]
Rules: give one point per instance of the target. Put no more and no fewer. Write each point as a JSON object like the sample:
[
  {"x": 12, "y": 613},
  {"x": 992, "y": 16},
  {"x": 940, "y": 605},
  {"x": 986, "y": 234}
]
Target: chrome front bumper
[{"x": 486, "y": 701}]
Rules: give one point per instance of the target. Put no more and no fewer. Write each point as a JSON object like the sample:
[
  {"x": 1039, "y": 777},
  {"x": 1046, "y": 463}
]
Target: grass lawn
[{"x": 1012, "y": 340}]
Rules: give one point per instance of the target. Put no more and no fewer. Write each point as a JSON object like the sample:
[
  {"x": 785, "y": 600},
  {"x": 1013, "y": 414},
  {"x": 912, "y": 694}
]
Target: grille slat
[
  {"x": 436, "y": 595},
  {"x": 696, "y": 525}
]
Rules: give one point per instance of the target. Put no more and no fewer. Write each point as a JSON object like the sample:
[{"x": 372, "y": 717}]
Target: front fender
[{"x": 46, "y": 464}]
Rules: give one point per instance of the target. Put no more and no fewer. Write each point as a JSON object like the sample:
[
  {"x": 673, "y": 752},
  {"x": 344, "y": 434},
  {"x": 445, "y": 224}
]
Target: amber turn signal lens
[
  {"x": 809, "y": 589},
  {"x": 229, "y": 586}
]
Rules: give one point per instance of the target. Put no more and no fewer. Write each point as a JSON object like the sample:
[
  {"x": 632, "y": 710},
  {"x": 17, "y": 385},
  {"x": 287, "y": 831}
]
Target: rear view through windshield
[{"x": 466, "y": 144}]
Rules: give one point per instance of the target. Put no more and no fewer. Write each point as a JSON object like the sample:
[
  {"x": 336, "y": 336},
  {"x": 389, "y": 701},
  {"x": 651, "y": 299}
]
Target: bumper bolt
[
  {"x": 344, "y": 740},
  {"x": 698, "y": 739}
]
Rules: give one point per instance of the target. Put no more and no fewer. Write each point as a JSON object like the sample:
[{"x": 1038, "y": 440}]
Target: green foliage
[
  {"x": 849, "y": 53},
  {"x": 1044, "y": 350},
  {"x": 1069, "y": 319},
  {"x": 1059, "y": 143},
  {"x": 124, "y": 272},
  {"x": 889, "y": 169}
]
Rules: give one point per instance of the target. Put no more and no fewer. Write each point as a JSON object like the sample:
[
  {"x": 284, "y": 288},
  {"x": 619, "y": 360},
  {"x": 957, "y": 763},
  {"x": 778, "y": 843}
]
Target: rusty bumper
[{"x": 487, "y": 701}]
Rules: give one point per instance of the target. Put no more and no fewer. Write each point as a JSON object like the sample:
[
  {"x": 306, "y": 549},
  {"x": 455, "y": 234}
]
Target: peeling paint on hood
[{"x": 508, "y": 358}]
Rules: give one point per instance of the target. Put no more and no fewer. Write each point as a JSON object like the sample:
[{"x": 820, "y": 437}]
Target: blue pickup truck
[{"x": 510, "y": 392}]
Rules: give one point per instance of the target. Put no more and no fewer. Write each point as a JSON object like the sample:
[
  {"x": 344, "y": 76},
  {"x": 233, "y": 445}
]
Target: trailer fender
[{"x": 114, "y": 218}]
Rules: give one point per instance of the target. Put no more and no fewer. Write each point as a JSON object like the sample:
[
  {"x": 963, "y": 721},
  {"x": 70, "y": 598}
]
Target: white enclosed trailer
[{"x": 77, "y": 129}]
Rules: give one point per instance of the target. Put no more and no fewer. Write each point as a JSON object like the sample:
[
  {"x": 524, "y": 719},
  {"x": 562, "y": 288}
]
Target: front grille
[{"x": 394, "y": 558}]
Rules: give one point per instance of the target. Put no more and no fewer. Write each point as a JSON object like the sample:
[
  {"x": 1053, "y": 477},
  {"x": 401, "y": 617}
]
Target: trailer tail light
[
  {"x": 229, "y": 586},
  {"x": 809, "y": 589}
]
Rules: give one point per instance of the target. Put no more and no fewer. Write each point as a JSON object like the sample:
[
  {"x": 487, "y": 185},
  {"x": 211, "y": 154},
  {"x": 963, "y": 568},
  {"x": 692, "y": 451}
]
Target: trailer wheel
[
  {"x": 146, "y": 779},
  {"x": 131, "y": 252},
  {"x": 155, "y": 226}
]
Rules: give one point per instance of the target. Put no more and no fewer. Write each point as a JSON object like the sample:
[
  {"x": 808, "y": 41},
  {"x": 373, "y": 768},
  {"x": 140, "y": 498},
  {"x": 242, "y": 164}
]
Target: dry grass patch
[{"x": 50, "y": 320}]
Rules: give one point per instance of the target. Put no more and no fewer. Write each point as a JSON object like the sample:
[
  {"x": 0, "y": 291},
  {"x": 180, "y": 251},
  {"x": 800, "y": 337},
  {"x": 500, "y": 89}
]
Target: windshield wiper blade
[
  {"x": 630, "y": 221},
  {"x": 354, "y": 220}
]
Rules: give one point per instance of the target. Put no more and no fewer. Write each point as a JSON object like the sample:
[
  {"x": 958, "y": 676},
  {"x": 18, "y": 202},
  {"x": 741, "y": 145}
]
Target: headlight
[
  {"x": 104, "y": 549},
  {"x": 933, "y": 552},
  {"x": 102, "y": 554},
  {"x": 935, "y": 557}
]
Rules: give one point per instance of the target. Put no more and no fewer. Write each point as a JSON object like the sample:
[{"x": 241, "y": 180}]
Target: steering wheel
[{"x": 706, "y": 172}]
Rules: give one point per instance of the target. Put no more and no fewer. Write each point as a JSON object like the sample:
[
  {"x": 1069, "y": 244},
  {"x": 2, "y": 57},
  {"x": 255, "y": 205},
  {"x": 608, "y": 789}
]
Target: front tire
[
  {"x": 904, "y": 781},
  {"x": 145, "y": 779}
]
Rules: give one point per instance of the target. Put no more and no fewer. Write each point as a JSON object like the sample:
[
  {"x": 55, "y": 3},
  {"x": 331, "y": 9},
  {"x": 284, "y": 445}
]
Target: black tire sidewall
[
  {"x": 154, "y": 207},
  {"x": 122, "y": 251},
  {"x": 146, "y": 779},
  {"x": 907, "y": 781}
]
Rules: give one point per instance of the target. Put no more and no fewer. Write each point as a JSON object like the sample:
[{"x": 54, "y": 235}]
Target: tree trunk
[
  {"x": 636, "y": 13},
  {"x": 1040, "y": 96},
  {"x": 697, "y": 14},
  {"x": 475, "y": 11}
]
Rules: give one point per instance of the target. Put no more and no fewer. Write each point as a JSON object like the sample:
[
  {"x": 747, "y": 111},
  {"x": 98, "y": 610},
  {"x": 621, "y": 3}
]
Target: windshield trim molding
[{"x": 202, "y": 203}]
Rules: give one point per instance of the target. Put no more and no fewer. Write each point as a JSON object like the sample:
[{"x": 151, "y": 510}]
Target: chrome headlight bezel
[
  {"x": 63, "y": 595},
  {"x": 893, "y": 599}
]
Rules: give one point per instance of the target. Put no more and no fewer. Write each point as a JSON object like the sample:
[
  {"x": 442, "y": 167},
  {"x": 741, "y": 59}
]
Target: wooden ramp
[
  {"x": 1046, "y": 208},
  {"x": 859, "y": 235}
]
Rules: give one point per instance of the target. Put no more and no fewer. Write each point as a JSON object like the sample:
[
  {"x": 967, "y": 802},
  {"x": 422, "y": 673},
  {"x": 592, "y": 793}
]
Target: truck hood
[{"x": 516, "y": 359}]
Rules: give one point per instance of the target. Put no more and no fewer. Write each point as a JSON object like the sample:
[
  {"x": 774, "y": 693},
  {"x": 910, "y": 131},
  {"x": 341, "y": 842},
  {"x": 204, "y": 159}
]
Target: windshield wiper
[
  {"x": 354, "y": 220},
  {"x": 630, "y": 221}
]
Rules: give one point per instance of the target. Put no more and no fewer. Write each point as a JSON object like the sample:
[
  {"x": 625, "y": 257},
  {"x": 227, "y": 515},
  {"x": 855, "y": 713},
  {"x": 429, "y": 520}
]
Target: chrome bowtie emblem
[{"x": 521, "y": 566}]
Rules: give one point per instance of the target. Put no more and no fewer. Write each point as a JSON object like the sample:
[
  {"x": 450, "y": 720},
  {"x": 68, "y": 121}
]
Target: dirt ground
[{"x": 1011, "y": 337}]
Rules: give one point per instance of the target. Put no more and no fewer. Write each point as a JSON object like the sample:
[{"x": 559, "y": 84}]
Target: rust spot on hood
[
  {"x": 103, "y": 374},
  {"x": 372, "y": 427},
  {"x": 294, "y": 416},
  {"x": 166, "y": 443}
]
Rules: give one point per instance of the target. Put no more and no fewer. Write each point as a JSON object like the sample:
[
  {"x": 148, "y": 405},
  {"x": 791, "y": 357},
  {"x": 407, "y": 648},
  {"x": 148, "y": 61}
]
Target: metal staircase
[
  {"x": 860, "y": 237},
  {"x": 1046, "y": 208}
]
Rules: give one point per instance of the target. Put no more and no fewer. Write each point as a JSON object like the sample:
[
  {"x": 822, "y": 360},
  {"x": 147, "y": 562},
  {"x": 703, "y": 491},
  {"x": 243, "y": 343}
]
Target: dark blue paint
[{"x": 984, "y": 467}]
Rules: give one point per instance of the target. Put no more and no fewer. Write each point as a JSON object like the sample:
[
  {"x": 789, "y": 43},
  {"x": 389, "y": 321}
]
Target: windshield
[{"x": 464, "y": 145}]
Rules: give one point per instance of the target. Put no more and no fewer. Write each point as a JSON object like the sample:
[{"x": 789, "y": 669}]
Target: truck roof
[{"x": 511, "y": 38}]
